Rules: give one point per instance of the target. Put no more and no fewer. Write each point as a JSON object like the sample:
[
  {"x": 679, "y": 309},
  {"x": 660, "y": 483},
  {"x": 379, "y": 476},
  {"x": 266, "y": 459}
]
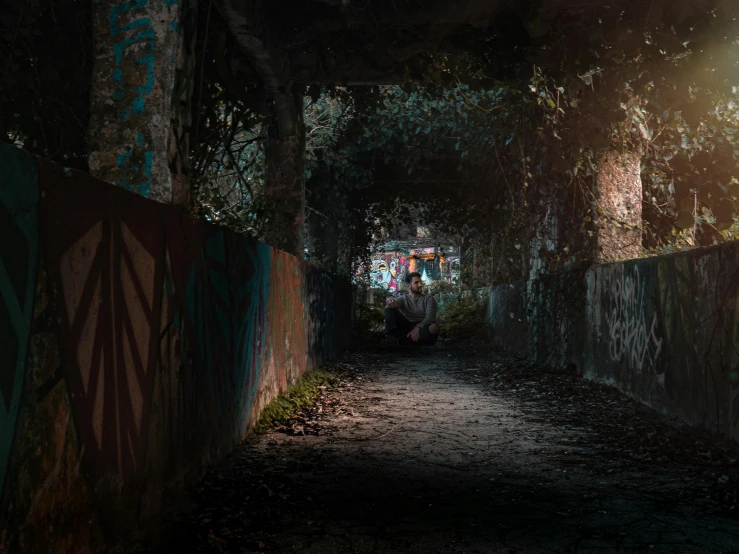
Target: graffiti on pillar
[
  {"x": 18, "y": 265},
  {"x": 633, "y": 334},
  {"x": 133, "y": 54}
]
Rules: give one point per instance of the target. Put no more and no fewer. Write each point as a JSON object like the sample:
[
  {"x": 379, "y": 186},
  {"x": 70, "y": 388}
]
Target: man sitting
[{"x": 411, "y": 318}]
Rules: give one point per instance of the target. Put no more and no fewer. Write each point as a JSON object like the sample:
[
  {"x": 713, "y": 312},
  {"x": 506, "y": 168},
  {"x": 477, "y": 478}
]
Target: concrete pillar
[
  {"x": 618, "y": 195},
  {"x": 285, "y": 182},
  {"x": 141, "y": 94}
]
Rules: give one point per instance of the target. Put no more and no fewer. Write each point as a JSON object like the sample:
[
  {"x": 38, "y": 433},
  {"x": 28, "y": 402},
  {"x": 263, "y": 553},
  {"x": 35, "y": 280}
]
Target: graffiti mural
[
  {"x": 18, "y": 267},
  {"x": 155, "y": 340},
  {"x": 226, "y": 291},
  {"x": 389, "y": 271},
  {"x": 173, "y": 387},
  {"x": 208, "y": 300},
  {"x": 251, "y": 272},
  {"x": 133, "y": 53},
  {"x": 632, "y": 333},
  {"x": 454, "y": 268},
  {"x": 108, "y": 270}
]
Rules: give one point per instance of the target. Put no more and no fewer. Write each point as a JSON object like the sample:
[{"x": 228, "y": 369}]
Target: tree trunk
[
  {"x": 286, "y": 172},
  {"x": 619, "y": 204},
  {"x": 141, "y": 92}
]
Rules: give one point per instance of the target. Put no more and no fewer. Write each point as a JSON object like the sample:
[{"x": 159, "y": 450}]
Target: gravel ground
[{"x": 462, "y": 450}]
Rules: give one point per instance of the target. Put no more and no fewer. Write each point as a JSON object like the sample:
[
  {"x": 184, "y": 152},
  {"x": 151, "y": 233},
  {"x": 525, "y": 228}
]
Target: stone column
[
  {"x": 618, "y": 193},
  {"x": 141, "y": 93},
  {"x": 285, "y": 182}
]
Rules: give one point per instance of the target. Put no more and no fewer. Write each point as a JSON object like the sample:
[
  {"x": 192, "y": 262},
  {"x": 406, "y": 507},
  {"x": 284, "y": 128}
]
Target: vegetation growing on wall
[{"x": 302, "y": 395}]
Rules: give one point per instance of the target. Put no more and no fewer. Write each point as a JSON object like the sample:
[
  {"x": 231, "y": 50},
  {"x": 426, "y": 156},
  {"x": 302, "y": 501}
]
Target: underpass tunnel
[{"x": 208, "y": 209}]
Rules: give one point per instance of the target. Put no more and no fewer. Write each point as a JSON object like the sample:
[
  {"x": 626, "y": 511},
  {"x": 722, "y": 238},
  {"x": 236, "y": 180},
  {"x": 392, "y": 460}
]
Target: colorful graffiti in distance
[{"x": 389, "y": 271}]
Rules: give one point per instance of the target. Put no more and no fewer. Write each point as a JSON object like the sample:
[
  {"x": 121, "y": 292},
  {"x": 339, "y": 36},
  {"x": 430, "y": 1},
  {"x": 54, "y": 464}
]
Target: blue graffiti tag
[{"x": 133, "y": 176}]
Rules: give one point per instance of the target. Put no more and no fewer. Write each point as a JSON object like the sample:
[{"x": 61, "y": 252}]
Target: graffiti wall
[
  {"x": 139, "y": 346},
  {"x": 541, "y": 319},
  {"x": 389, "y": 269},
  {"x": 664, "y": 330},
  {"x": 624, "y": 325}
]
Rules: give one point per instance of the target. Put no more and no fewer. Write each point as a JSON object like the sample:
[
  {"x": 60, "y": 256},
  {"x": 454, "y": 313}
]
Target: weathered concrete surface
[
  {"x": 285, "y": 178},
  {"x": 541, "y": 319},
  {"x": 142, "y": 82},
  {"x": 140, "y": 346},
  {"x": 458, "y": 451},
  {"x": 664, "y": 330}
]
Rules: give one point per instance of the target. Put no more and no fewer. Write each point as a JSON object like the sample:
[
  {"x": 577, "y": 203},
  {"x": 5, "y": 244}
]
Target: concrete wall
[
  {"x": 541, "y": 319},
  {"x": 138, "y": 346},
  {"x": 664, "y": 330}
]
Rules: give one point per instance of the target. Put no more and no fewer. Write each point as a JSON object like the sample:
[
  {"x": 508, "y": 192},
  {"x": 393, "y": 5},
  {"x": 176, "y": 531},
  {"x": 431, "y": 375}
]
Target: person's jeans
[{"x": 397, "y": 325}]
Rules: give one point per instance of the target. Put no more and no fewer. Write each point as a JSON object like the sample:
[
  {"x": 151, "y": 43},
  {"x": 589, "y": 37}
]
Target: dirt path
[{"x": 453, "y": 452}]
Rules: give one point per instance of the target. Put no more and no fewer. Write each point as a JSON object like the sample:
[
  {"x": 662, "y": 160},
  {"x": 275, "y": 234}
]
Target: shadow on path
[{"x": 450, "y": 452}]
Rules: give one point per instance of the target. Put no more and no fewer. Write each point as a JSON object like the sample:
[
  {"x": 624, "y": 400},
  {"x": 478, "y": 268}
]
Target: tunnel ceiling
[
  {"x": 354, "y": 42},
  {"x": 274, "y": 44}
]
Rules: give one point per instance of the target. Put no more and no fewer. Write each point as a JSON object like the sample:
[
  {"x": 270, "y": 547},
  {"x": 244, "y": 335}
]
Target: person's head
[{"x": 414, "y": 282}]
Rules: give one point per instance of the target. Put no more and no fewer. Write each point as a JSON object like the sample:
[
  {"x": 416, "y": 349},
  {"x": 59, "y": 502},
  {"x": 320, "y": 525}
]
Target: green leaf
[{"x": 685, "y": 220}]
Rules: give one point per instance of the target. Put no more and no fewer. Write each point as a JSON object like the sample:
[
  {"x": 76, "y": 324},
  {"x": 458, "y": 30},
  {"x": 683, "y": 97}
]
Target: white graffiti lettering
[{"x": 633, "y": 334}]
